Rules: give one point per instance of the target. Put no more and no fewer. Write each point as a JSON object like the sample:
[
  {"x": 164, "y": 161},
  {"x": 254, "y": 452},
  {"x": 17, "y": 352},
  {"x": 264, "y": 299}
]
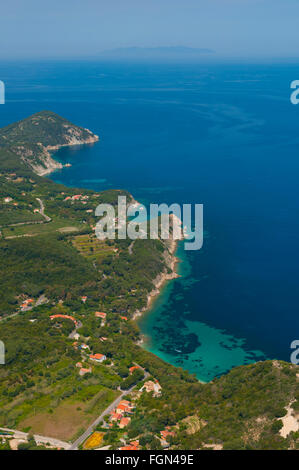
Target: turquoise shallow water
[
  {"x": 198, "y": 347},
  {"x": 224, "y": 135}
]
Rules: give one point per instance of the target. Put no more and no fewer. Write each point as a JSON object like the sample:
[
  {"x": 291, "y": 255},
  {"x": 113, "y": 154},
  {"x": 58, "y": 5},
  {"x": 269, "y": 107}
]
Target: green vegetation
[
  {"x": 41, "y": 388},
  {"x": 41, "y": 265},
  {"x": 31, "y": 139},
  {"x": 45, "y": 127}
]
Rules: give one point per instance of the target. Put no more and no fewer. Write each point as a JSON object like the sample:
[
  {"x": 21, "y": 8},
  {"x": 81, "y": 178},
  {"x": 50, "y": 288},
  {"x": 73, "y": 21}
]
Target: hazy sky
[{"x": 69, "y": 28}]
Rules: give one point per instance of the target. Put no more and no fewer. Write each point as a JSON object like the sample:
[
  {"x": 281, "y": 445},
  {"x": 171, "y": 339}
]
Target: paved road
[
  {"x": 39, "y": 439},
  {"x": 42, "y": 210},
  {"x": 108, "y": 410}
]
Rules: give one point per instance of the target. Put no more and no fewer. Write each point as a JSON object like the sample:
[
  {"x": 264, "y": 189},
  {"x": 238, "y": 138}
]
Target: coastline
[
  {"x": 159, "y": 282},
  {"x": 50, "y": 164}
]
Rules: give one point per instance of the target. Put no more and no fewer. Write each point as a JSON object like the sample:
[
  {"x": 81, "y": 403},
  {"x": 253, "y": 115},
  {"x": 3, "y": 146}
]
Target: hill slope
[
  {"x": 33, "y": 139},
  {"x": 60, "y": 262}
]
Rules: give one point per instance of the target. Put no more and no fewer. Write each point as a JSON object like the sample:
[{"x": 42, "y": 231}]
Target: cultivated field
[
  {"x": 55, "y": 225},
  {"x": 92, "y": 248}
]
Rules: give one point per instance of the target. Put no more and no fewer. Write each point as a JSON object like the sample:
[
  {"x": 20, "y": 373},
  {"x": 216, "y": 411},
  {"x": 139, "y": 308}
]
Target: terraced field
[{"x": 92, "y": 248}]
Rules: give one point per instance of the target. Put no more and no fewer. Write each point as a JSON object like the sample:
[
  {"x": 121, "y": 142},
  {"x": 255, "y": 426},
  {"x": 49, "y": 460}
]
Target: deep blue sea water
[{"x": 226, "y": 136}]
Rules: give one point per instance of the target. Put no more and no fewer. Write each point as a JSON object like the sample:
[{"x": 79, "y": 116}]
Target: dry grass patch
[{"x": 63, "y": 423}]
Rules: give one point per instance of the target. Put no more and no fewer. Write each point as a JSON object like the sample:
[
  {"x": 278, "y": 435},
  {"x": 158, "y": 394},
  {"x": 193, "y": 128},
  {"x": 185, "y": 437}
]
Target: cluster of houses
[
  {"x": 26, "y": 304},
  {"x": 8, "y": 199},
  {"x": 77, "y": 197},
  {"x": 98, "y": 358},
  {"x": 119, "y": 415}
]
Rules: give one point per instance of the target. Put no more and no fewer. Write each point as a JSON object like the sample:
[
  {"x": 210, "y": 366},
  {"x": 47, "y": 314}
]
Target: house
[
  {"x": 153, "y": 387},
  {"x": 125, "y": 402},
  {"x": 36, "y": 211},
  {"x": 27, "y": 303},
  {"x": 164, "y": 443},
  {"x": 121, "y": 409},
  {"x": 103, "y": 338},
  {"x": 84, "y": 346},
  {"x": 67, "y": 198},
  {"x": 134, "y": 445},
  {"x": 84, "y": 298},
  {"x": 7, "y": 199},
  {"x": 124, "y": 318},
  {"x": 128, "y": 448},
  {"x": 100, "y": 315},
  {"x": 79, "y": 364},
  {"x": 66, "y": 317},
  {"x": 133, "y": 368},
  {"x": 124, "y": 407},
  {"x": 114, "y": 416},
  {"x": 166, "y": 433},
  {"x": 84, "y": 371},
  {"x": 97, "y": 357},
  {"x": 124, "y": 422},
  {"x": 76, "y": 197}
]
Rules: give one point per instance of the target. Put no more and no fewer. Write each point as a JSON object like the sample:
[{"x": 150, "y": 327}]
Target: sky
[{"x": 85, "y": 28}]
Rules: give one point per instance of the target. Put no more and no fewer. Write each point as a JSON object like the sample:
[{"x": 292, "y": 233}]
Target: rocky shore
[
  {"x": 49, "y": 164},
  {"x": 171, "y": 262}
]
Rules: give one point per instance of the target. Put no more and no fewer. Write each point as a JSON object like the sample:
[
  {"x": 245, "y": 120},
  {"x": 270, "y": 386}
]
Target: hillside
[
  {"x": 33, "y": 139},
  {"x": 54, "y": 274}
]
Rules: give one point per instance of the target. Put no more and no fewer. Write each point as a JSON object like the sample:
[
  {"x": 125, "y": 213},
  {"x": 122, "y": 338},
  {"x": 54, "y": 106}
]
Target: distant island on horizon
[{"x": 165, "y": 52}]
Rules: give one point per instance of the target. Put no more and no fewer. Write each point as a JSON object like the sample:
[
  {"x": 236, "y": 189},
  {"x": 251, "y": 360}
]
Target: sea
[{"x": 224, "y": 135}]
